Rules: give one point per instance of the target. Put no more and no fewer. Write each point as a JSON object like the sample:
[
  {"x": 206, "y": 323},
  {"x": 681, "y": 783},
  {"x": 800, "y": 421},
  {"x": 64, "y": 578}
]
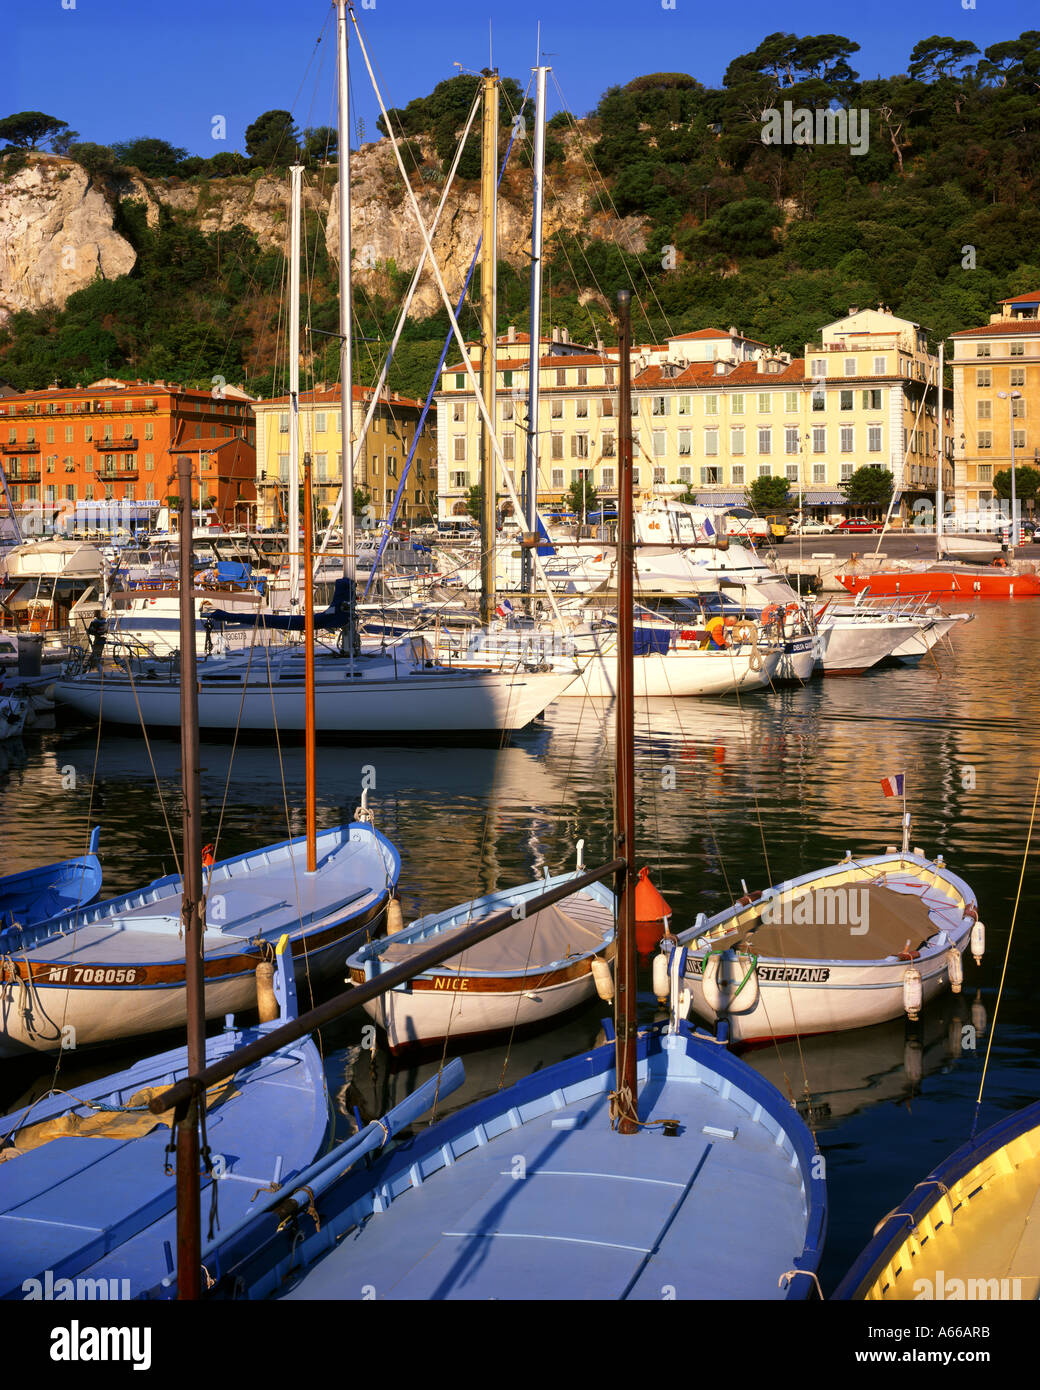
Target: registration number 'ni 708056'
[{"x": 91, "y": 975}]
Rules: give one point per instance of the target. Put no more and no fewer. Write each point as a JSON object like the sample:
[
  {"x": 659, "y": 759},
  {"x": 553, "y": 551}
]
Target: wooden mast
[
  {"x": 624, "y": 802},
  {"x": 308, "y": 665},
  {"x": 489, "y": 316},
  {"x": 192, "y": 915}
]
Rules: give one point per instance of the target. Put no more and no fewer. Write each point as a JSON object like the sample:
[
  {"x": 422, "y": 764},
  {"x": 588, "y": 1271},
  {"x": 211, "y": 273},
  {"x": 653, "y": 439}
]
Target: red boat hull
[{"x": 986, "y": 583}]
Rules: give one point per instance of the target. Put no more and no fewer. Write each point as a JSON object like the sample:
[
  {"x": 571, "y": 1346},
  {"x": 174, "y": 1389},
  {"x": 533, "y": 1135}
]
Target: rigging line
[
  {"x": 589, "y": 160},
  {"x": 90, "y": 805},
  {"x": 384, "y": 370},
  {"x": 234, "y": 742},
  {"x": 288, "y": 823},
  {"x": 1007, "y": 957},
  {"x": 467, "y": 363},
  {"x": 204, "y": 344}
]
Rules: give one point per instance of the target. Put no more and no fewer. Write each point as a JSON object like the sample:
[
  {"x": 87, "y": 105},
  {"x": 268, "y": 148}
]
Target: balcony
[
  {"x": 24, "y": 475},
  {"x": 26, "y": 447},
  {"x": 113, "y": 446},
  {"x": 111, "y": 475}
]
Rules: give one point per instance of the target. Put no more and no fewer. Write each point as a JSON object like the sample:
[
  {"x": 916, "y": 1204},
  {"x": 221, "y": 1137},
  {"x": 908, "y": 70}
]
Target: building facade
[
  {"x": 378, "y": 471},
  {"x": 713, "y": 410},
  {"x": 996, "y": 387},
  {"x": 103, "y": 456}
]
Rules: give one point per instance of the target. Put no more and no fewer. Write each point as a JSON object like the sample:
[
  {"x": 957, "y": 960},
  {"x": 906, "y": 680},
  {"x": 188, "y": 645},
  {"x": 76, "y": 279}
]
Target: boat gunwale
[{"x": 892, "y": 1230}]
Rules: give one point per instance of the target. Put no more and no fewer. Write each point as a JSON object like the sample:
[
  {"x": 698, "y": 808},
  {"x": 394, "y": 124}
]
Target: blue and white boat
[
  {"x": 854, "y": 944},
  {"x": 969, "y": 1230},
  {"x": 87, "y": 1194},
  {"x": 116, "y": 969},
  {"x": 531, "y": 1194},
  {"x": 527, "y": 975},
  {"x": 36, "y": 895}
]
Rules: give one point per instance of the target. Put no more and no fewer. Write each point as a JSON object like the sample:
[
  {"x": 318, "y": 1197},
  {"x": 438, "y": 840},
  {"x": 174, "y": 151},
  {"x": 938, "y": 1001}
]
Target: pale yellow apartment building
[
  {"x": 712, "y": 410},
  {"x": 996, "y": 382},
  {"x": 379, "y": 469}
]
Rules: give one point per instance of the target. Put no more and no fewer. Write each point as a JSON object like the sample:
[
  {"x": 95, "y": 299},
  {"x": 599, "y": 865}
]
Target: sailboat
[
  {"x": 402, "y": 689},
  {"x": 594, "y": 1178},
  {"x": 117, "y": 969}
]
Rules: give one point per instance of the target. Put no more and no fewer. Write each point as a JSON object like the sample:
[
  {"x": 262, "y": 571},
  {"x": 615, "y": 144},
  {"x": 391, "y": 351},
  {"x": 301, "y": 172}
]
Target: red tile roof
[
  {"x": 1033, "y": 298},
  {"x": 701, "y": 333},
  {"x": 1004, "y": 326},
  {"x": 331, "y": 396},
  {"x": 704, "y": 374}
]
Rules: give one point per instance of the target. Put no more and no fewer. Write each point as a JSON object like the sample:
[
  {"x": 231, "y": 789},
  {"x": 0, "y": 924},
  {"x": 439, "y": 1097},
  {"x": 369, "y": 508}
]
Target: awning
[
  {"x": 720, "y": 499},
  {"x": 821, "y": 497}
]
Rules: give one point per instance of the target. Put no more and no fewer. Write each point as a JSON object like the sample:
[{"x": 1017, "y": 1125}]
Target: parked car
[
  {"x": 859, "y": 524},
  {"x": 810, "y": 526}
]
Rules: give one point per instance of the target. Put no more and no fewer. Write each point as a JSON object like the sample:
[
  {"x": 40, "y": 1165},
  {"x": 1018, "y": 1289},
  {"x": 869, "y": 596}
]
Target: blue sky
[{"x": 117, "y": 69}]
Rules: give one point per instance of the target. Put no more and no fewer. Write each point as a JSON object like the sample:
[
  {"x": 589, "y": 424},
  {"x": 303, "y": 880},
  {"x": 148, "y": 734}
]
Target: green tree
[
  {"x": 937, "y": 57},
  {"x": 150, "y": 155},
  {"x": 320, "y": 142},
  {"x": 98, "y": 160},
  {"x": 582, "y": 495},
  {"x": 26, "y": 129},
  {"x": 1027, "y": 483},
  {"x": 474, "y": 501},
  {"x": 272, "y": 139},
  {"x": 765, "y": 495},
  {"x": 869, "y": 488}
]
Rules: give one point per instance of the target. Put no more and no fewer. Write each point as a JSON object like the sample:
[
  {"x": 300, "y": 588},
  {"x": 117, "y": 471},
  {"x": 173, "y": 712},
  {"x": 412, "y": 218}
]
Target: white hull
[
  {"x": 855, "y": 646},
  {"x": 682, "y": 673},
  {"x": 764, "y": 982},
  {"x": 824, "y": 996},
  {"x": 419, "y": 1017},
  {"x": 417, "y": 702}
]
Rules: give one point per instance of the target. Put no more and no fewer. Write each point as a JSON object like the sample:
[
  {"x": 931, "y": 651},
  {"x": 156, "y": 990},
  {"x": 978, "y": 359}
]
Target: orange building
[{"x": 104, "y": 456}]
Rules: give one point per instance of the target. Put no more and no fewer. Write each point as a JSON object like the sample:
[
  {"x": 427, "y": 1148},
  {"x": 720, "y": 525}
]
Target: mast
[
  {"x": 939, "y": 498},
  {"x": 533, "y": 381},
  {"x": 624, "y": 802},
  {"x": 295, "y": 176},
  {"x": 489, "y": 318},
  {"x": 192, "y": 914},
  {"x": 308, "y": 666},
  {"x": 346, "y": 346}
]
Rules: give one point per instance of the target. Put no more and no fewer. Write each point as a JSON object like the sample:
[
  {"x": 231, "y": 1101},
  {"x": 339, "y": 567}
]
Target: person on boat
[{"x": 717, "y": 632}]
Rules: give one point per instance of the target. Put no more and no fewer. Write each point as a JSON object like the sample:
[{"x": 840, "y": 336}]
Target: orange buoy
[
  {"x": 207, "y": 856},
  {"x": 652, "y": 917},
  {"x": 650, "y": 906}
]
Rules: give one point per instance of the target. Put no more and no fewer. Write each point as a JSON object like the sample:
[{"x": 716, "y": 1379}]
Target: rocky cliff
[{"x": 57, "y": 225}]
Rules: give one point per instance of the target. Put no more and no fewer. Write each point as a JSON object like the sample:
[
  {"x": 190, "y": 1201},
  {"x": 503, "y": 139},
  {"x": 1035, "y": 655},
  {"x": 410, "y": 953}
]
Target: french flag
[
  {"x": 504, "y": 608},
  {"x": 893, "y": 786}
]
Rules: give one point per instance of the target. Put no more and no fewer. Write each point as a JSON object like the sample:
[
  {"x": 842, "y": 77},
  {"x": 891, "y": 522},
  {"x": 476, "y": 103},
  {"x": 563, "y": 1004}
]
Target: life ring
[
  {"x": 744, "y": 632},
  {"x": 771, "y": 614}
]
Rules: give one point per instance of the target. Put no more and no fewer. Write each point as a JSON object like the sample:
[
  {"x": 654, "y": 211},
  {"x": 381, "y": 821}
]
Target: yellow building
[
  {"x": 712, "y": 411},
  {"x": 378, "y": 471},
  {"x": 996, "y": 381}
]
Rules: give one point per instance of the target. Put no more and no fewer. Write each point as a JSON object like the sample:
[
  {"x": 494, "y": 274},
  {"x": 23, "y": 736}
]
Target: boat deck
[
  {"x": 67, "y": 1201},
  {"x": 519, "y": 1216}
]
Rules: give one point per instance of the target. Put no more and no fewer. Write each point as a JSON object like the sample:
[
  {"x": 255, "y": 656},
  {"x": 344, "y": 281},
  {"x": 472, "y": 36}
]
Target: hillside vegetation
[{"x": 935, "y": 214}]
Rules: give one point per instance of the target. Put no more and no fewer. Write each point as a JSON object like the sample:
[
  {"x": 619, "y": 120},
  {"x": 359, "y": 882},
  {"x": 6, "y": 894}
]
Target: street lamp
[{"x": 1011, "y": 399}]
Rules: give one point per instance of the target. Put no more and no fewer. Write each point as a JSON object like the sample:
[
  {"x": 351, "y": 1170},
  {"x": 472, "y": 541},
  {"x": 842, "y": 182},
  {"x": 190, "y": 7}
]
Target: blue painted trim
[{"x": 895, "y": 1228}]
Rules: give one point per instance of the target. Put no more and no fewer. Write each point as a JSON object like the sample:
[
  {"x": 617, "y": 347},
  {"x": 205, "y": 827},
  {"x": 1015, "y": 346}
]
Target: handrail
[{"x": 354, "y": 998}]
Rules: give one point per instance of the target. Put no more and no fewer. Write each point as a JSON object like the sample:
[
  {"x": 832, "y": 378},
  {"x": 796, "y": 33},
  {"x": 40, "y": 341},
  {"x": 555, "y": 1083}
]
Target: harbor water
[{"x": 755, "y": 789}]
